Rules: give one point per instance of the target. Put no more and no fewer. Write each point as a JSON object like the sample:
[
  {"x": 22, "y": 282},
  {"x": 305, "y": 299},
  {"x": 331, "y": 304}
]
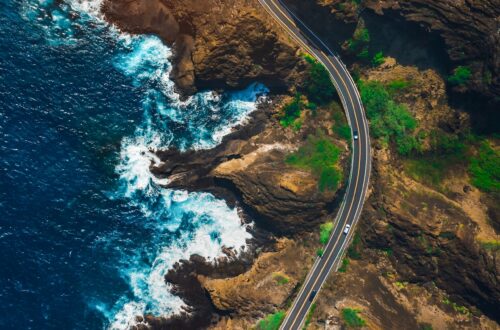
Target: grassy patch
[
  {"x": 354, "y": 251},
  {"x": 352, "y": 319},
  {"x": 398, "y": 86},
  {"x": 325, "y": 232},
  {"x": 485, "y": 168},
  {"x": 280, "y": 278},
  {"x": 272, "y": 321},
  {"x": 457, "y": 308},
  {"x": 461, "y": 75},
  {"x": 291, "y": 111},
  {"x": 343, "y": 267},
  {"x": 320, "y": 156},
  {"x": 309, "y": 316},
  {"x": 319, "y": 87},
  {"x": 429, "y": 170},
  {"x": 432, "y": 167},
  {"x": 389, "y": 120}
]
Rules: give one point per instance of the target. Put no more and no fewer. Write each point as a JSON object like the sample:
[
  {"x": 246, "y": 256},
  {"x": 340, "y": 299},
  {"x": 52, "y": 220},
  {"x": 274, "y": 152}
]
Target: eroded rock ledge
[
  {"x": 217, "y": 44},
  {"x": 249, "y": 166}
]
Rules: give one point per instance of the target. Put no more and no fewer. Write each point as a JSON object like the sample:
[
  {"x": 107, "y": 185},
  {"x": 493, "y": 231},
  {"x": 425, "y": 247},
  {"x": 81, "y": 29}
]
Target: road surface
[{"x": 350, "y": 209}]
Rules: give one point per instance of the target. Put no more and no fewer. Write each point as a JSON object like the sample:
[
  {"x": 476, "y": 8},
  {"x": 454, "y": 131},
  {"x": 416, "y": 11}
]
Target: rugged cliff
[
  {"x": 217, "y": 44},
  {"x": 468, "y": 30}
]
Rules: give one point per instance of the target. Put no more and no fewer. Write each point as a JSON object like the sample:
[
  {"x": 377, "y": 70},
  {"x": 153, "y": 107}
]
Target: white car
[
  {"x": 356, "y": 135},
  {"x": 347, "y": 228}
]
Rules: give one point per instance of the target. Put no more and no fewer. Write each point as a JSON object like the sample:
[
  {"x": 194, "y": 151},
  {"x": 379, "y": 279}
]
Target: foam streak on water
[{"x": 184, "y": 223}]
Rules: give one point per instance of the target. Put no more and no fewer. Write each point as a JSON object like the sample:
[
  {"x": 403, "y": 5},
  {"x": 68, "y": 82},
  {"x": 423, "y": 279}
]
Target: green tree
[
  {"x": 485, "y": 168},
  {"x": 319, "y": 87},
  {"x": 378, "y": 59},
  {"x": 461, "y": 75}
]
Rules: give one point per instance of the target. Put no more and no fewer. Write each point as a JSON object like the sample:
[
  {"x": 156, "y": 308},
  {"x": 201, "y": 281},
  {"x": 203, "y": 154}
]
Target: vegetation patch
[
  {"x": 461, "y": 75},
  {"x": 378, "y": 59},
  {"x": 446, "y": 152},
  {"x": 485, "y": 168},
  {"x": 354, "y": 251},
  {"x": 358, "y": 44},
  {"x": 319, "y": 252},
  {"x": 343, "y": 267},
  {"x": 491, "y": 245},
  {"x": 457, "y": 308},
  {"x": 291, "y": 111},
  {"x": 319, "y": 87},
  {"x": 340, "y": 127},
  {"x": 351, "y": 318},
  {"x": 281, "y": 278},
  {"x": 325, "y": 232},
  {"x": 272, "y": 321},
  {"x": 390, "y": 121},
  {"x": 398, "y": 86},
  {"x": 320, "y": 156},
  {"x": 309, "y": 316}
]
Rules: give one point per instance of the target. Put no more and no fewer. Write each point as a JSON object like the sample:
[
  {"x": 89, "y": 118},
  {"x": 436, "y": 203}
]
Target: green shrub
[
  {"x": 272, "y": 321},
  {"x": 320, "y": 156},
  {"x": 352, "y": 319},
  {"x": 461, "y": 75},
  {"x": 343, "y": 131},
  {"x": 319, "y": 252},
  {"x": 374, "y": 96},
  {"x": 345, "y": 263},
  {"x": 425, "y": 326},
  {"x": 340, "y": 126},
  {"x": 358, "y": 44},
  {"x": 485, "y": 168},
  {"x": 325, "y": 232},
  {"x": 291, "y": 111},
  {"x": 378, "y": 59},
  {"x": 319, "y": 87},
  {"x": 389, "y": 120},
  {"x": 280, "y": 278}
]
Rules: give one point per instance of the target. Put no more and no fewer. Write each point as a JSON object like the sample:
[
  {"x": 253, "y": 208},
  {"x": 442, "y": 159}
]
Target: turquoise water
[{"x": 86, "y": 232}]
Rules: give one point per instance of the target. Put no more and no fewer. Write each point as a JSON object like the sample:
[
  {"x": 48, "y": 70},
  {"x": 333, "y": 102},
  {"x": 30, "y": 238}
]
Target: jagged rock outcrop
[
  {"x": 217, "y": 44},
  {"x": 250, "y": 164}
]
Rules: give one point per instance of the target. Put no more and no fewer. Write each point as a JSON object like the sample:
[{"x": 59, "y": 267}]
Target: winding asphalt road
[{"x": 350, "y": 209}]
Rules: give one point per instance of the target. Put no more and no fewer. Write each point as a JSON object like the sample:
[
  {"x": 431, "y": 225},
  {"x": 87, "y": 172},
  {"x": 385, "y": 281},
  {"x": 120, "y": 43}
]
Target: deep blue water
[{"x": 86, "y": 234}]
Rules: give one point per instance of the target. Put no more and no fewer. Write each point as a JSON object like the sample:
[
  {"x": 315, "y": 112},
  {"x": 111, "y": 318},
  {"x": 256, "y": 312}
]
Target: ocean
[{"x": 86, "y": 232}]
